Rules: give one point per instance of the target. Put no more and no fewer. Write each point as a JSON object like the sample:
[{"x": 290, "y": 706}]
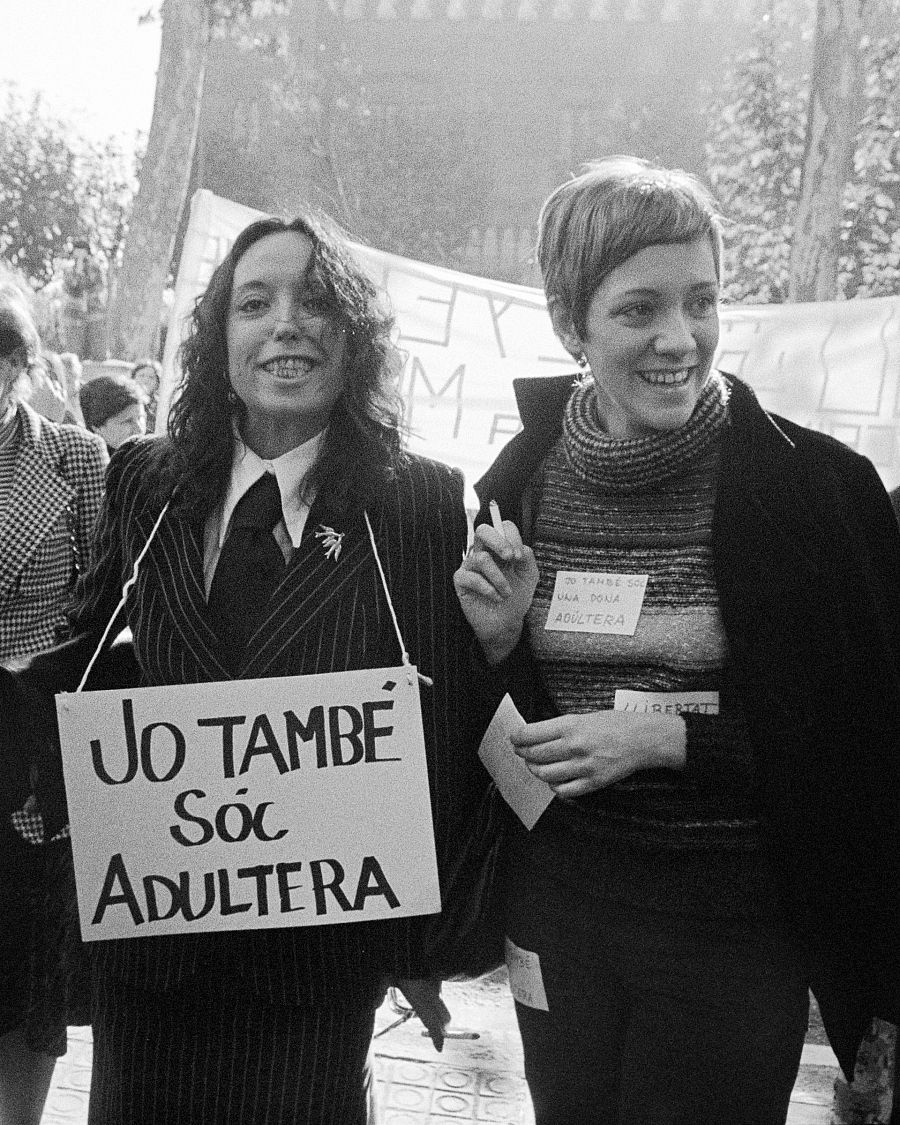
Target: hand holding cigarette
[
  {"x": 496, "y": 583},
  {"x": 500, "y": 538}
]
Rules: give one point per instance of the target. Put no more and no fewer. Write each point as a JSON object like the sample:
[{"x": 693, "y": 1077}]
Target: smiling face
[
  {"x": 651, "y": 331},
  {"x": 285, "y": 347}
]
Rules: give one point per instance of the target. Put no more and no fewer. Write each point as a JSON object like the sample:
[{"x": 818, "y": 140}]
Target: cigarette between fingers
[{"x": 496, "y": 519}]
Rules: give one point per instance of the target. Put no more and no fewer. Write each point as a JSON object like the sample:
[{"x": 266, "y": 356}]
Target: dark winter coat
[{"x": 806, "y": 557}]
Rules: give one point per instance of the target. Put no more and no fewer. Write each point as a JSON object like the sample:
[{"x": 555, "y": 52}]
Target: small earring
[
  {"x": 232, "y": 398},
  {"x": 582, "y": 361}
]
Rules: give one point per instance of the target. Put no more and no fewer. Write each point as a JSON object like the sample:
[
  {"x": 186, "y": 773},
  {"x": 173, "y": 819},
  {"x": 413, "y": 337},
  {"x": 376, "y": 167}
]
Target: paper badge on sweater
[
  {"x": 667, "y": 702},
  {"x": 525, "y": 794},
  {"x": 596, "y": 602}
]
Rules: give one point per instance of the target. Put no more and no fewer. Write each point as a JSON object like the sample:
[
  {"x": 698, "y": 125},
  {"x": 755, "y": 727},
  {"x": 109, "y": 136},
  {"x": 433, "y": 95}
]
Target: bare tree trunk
[
  {"x": 164, "y": 179},
  {"x": 834, "y": 102}
]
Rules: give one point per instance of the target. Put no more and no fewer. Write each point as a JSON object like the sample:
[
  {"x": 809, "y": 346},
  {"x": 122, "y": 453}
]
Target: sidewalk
[{"x": 472, "y": 1080}]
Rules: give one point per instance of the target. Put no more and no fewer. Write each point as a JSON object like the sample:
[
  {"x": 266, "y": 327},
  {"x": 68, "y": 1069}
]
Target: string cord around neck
[
  {"x": 126, "y": 590},
  {"x": 404, "y": 655}
]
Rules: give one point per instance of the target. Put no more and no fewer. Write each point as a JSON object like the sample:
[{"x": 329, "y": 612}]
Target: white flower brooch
[{"x": 332, "y": 541}]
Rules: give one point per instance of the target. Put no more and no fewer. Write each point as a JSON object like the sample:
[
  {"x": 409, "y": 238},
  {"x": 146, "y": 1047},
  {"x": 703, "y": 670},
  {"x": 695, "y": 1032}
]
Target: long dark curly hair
[{"x": 363, "y": 443}]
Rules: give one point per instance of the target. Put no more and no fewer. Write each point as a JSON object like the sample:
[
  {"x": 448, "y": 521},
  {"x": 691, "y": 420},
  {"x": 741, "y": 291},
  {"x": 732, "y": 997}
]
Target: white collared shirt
[{"x": 246, "y": 469}]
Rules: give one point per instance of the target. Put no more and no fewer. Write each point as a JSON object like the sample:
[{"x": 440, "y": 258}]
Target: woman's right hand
[{"x": 495, "y": 585}]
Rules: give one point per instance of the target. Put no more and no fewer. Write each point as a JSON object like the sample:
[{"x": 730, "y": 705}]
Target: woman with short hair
[{"x": 703, "y": 632}]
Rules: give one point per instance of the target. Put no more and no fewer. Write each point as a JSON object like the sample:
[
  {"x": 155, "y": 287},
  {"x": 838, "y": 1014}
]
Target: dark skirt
[
  {"x": 59, "y": 985},
  {"x": 20, "y": 877},
  {"x": 44, "y": 973},
  {"x": 171, "y": 1058}
]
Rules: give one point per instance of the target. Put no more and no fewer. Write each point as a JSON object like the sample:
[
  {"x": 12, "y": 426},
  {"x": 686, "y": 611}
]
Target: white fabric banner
[
  {"x": 252, "y": 804},
  {"x": 834, "y": 366}
]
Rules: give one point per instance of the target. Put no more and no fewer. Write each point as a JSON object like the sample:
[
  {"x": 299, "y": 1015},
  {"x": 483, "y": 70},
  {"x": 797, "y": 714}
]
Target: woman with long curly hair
[{"x": 285, "y": 442}]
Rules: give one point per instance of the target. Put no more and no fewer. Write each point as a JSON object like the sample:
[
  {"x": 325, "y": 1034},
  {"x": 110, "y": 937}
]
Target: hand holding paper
[
  {"x": 576, "y": 754},
  {"x": 525, "y": 794}
]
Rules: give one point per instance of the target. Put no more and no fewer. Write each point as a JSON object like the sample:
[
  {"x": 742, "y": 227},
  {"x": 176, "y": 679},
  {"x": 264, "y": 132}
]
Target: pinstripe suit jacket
[
  {"x": 47, "y": 529},
  {"x": 325, "y": 616}
]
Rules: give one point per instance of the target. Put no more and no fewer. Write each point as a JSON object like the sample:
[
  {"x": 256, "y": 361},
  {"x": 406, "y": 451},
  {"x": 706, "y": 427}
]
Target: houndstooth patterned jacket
[{"x": 46, "y": 531}]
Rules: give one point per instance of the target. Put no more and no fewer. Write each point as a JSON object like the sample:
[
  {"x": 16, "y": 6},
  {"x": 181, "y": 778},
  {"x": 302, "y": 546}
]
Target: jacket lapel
[
  {"x": 541, "y": 403},
  {"x": 39, "y": 494},
  {"x": 177, "y": 553},
  {"x": 762, "y": 488},
  {"x": 774, "y": 559}
]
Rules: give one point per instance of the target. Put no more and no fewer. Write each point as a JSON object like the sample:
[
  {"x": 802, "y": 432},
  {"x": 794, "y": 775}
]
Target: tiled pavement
[{"x": 472, "y": 1080}]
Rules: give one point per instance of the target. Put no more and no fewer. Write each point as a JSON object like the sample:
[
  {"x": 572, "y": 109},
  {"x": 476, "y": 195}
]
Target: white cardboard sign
[
  {"x": 294, "y": 801},
  {"x": 585, "y": 602}
]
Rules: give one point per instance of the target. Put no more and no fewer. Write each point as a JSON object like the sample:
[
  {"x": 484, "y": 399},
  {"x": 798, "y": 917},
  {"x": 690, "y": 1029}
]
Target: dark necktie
[{"x": 250, "y": 567}]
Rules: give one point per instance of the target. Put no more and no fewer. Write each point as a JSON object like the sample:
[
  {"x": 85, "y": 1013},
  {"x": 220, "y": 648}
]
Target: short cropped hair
[
  {"x": 614, "y": 208},
  {"x": 105, "y": 396}
]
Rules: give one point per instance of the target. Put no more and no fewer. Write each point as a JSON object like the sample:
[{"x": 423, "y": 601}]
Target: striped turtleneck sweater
[{"x": 675, "y": 839}]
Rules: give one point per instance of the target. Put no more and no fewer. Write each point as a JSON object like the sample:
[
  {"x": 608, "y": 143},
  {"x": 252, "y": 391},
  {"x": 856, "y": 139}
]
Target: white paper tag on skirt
[{"x": 525, "y": 980}]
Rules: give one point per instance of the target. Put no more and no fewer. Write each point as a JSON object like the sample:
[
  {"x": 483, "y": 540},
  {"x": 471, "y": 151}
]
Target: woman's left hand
[{"x": 576, "y": 754}]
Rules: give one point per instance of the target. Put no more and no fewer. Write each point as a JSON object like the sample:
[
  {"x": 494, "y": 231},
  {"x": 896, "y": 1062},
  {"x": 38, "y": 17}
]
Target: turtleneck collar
[{"x": 633, "y": 464}]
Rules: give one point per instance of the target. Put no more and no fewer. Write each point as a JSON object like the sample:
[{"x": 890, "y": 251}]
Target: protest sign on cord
[{"x": 291, "y": 801}]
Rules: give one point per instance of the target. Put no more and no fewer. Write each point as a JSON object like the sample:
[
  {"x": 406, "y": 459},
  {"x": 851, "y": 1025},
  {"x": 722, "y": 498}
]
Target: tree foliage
[
  {"x": 406, "y": 177},
  {"x": 55, "y": 186},
  {"x": 755, "y": 144},
  {"x": 38, "y": 186}
]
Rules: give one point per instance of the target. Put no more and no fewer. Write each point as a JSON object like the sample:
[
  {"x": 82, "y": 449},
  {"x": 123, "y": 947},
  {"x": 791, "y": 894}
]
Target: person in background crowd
[
  {"x": 74, "y": 378},
  {"x": 895, "y": 500},
  {"x": 114, "y": 407},
  {"x": 84, "y": 302},
  {"x": 146, "y": 373},
  {"x": 51, "y": 486},
  {"x": 704, "y": 635},
  {"x": 288, "y": 483},
  {"x": 48, "y": 393}
]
